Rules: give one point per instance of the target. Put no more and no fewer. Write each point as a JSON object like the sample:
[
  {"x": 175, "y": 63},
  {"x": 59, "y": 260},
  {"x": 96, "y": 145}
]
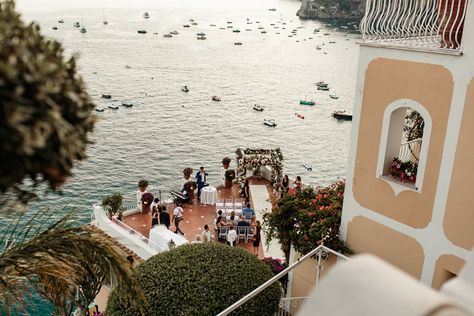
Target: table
[{"x": 208, "y": 195}]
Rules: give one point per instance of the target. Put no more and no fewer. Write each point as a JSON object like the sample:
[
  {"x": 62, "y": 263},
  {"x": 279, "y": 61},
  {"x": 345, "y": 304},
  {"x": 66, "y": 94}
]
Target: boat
[
  {"x": 104, "y": 21},
  {"x": 201, "y": 34},
  {"x": 174, "y": 32},
  {"x": 55, "y": 28},
  {"x": 300, "y": 115},
  {"x": 113, "y": 107},
  {"x": 257, "y": 107},
  {"x": 77, "y": 24},
  {"x": 106, "y": 96},
  {"x": 333, "y": 96},
  {"x": 212, "y": 25},
  {"x": 321, "y": 84},
  {"x": 186, "y": 25},
  {"x": 307, "y": 167},
  {"x": 269, "y": 122},
  {"x": 326, "y": 88},
  {"x": 146, "y": 15},
  {"x": 272, "y": 9},
  {"x": 260, "y": 27},
  {"x": 229, "y": 22},
  {"x": 141, "y": 32},
  {"x": 238, "y": 43},
  {"x": 194, "y": 23},
  {"x": 167, "y": 35},
  {"x": 305, "y": 102},
  {"x": 332, "y": 42},
  {"x": 216, "y": 98},
  {"x": 83, "y": 30},
  {"x": 236, "y": 31},
  {"x": 263, "y": 32},
  {"x": 318, "y": 47},
  {"x": 248, "y": 30},
  {"x": 201, "y": 37},
  {"x": 342, "y": 115},
  {"x": 191, "y": 20},
  {"x": 99, "y": 110},
  {"x": 229, "y": 26},
  {"x": 185, "y": 89},
  {"x": 127, "y": 104},
  {"x": 61, "y": 21}
]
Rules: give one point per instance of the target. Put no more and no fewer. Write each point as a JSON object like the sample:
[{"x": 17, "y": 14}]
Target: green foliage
[
  {"x": 414, "y": 125},
  {"x": 142, "y": 184},
  {"x": 113, "y": 203},
  {"x": 230, "y": 175},
  {"x": 308, "y": 218},
  {"x": 45, "y": 119},
  {"x": 200, "y": 279}
]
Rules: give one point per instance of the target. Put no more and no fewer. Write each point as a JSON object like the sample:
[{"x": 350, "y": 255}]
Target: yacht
[
  {"x": 77, "y": 24},
  {"x": 83, "y": 29},
  {"x": 146, "y": 15},
  {"x": 61, "y": 21}
]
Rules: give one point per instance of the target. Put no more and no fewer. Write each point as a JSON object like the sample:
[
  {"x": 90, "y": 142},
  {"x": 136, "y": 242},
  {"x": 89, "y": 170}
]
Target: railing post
[{"x": 318, "y": 267}]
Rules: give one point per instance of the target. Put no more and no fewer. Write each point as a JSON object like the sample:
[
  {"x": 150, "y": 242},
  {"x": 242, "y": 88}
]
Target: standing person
[
  {"x": 206, "y": 235},
  {"x": 154, "y": 217},
  {"x": 298, "y": 184},
  {"x": 246, "y": 191},
  {"x": 164, "y": 217},
  {"x": 178, "y": 217},
  {"x": 285, "y": 183},
  {"x": 256, "y": 238},
  {"x": 231, "y": 236},
  {"x": 201, "y": 177},
  {"x": 153, "y": 206}
]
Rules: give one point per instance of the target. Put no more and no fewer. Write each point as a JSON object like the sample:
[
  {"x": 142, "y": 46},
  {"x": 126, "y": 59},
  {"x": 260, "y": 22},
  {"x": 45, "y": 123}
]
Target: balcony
[{"x": 426, "y": 25}]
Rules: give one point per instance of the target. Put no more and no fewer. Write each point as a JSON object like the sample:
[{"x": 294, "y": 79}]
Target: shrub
[
  {"x": 200, "y": 279},
  {"x": 46, "y": 115},
  {"x": 113, "y": 204}
]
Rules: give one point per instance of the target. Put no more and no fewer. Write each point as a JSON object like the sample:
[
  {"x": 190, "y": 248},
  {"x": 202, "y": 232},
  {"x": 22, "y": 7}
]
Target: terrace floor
[{"x": 196, "y": 215}]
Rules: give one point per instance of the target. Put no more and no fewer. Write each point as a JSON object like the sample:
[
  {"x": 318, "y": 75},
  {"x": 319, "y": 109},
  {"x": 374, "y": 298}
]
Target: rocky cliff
[{"x": 332, "y": 9}]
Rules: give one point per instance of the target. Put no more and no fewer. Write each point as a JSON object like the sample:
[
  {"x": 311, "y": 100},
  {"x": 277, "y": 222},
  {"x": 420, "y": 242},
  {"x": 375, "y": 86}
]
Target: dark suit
[{"x": 201, "y": 182}]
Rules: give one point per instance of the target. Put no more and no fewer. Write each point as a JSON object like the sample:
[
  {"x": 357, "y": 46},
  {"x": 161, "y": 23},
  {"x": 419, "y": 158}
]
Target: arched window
[{"x": 404, "y": 145}]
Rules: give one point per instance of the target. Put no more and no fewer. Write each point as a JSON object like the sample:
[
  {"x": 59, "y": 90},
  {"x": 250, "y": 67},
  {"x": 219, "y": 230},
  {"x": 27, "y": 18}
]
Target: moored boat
[
  {"x": 201, "y": 34},
  {"x": 306, "y": 102},
  {"x": 236, "y": 31},
  {"x": 300, "y": 115},
  {"x": 146, "y": 15},
  {"x": 185, "y": 89},
  {"x": 342, "y": 115},
  {"x": 113, "y": 107},
  {"x": 55, "y": 28},
  {"x": 333, "y": 96},
  {"x": 326, "y": 88},
  {"x": 269, "y": 122},
  {"x": 141, "y": 32},
  {"x": 127, "y": 104},
  {"x": 238, "y": 43},
  {"x": 321, "y": 84},
  {"x": 99, "y": 110},
  {"x": 77, "y": 24},
  {"x": 186, "y": 25},
  {"x": 174, "y": 32},
  {"x": 167, "y": 35},
  {"x": 216, "y": 98},
  {"x": 201, "y": 37},
  {"x": 257, "y": 107},
  {"x": 83, "y": 30},
  {"x": 106, "y": 96},
  {"x": 61, "y": 21}
]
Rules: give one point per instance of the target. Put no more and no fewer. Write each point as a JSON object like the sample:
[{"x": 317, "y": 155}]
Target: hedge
[{"x": 200, "y": 279}]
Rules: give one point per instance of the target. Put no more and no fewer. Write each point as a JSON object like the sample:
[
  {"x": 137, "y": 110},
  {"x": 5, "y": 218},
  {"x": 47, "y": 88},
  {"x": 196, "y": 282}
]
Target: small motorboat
[
  {"x": 186, "y": 25},
  {"x": 229, "y": 22},
  {"x": 55, "y": 28},
  {"x": 263, "y": 32},
  {"x": 194, "y": 23},
  {"x": 212, "y": 25},
  {"x": 269, "y": 122},
  {"x": 216, "y": 98},
  {"x": 248, "y": 30},
  {"x": 141, "y": 31},
  {"x": 260, "y": 27},
  {"x": 201, "y": 34},
  {"x": 307, "y": 167},
  {"x": 238, "y": 43},
  {"x": 333, "y": 96},
  {"x": 272, "y": 9},
  {"x": 167, "y": 35},
  {"x": 230, "y": 26},
  {"x": 174, "y": 32},
  {"x": 201, "y": 37},
  {"x": 236, "y": 31},
  {"x": 185, "y": 89},
  {"x": 106, "y": 96},
  {"x": 191, "y": 20},
  {"x": 146, "y": 15},
  {"x": 99, "y": 110},
  {"x": 83, "y": 30},
  {"x": 113, "y": 107},
  {"x": 306, "y": 102},
  {"x": 77, "y": 24},
  {"x": 332, "y": 42},
  {"x": 321, "y": 84},
  {"x": 300, "y": 115},
  {"x": 127, "y": 104},
  {"x": 323, "y": 88},
  {"x": 257, "y": 107},
  {"x": 342, "y": 115},
  {"x": 61, "y": 21}
]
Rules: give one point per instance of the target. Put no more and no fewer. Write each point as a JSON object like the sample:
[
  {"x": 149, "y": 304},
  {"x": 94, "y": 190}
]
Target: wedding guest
[
  {"x": 177, "y": 218},
  {"x": 154, "y": 218},
  {"x": 298, "y": 184},
  {"x": 257, "y": 238},
  {"x": 246, "y": 191},
  {"x": 201, "y": 177},
  {"x": 164, "y": 217},
  {"x": 197, "y": 240},
  {"x": 231, "y": 236},
  {"x": 248, "y": 211},
  {"x": 242, "y": 221},
  {"x": 154, "y": 205},
  {"x": 206, "y": 235},
  {"x": 285, "y": 183}
]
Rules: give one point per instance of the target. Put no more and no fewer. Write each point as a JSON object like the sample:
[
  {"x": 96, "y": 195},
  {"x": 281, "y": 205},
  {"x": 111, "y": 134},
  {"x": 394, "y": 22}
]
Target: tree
[
  {"x": 45, "y": 123},
  {"x": 199, "y": 279}
]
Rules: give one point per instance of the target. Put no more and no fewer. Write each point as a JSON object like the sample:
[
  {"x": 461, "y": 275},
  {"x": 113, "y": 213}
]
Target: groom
[{"x": 201, "y": 181}]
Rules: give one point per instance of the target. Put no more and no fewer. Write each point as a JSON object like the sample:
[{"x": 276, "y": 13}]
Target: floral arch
[{"x": 251, "y": 158}]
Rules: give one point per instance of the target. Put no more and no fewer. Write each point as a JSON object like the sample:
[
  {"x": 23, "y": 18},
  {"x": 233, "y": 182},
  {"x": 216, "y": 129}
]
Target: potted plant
[
  {"x": 113, "y": 204},
  {"x": 147, "y": 199},
  {"x": 187, "y": 172},
  {"x": 229, "y": 177},
  {"x": 226, "y": 162}
]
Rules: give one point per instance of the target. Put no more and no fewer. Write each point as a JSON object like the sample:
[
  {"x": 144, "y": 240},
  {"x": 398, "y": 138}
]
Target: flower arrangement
[{"x": 405, "y": 171}]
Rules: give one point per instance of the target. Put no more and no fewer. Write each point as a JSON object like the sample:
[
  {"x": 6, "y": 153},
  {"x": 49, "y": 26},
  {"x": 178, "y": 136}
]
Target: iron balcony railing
[
  {"x": 431, "y": 24},
  {"x": 321, "y": 252}
]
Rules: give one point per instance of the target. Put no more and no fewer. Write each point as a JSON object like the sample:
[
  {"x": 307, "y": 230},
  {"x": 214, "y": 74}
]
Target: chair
[
  {"x": 238, "y": 205},
  {"x": 229, "y": 205},
  {"x": 242, "y": 233},
  {"x": 220, "y": 204},
  {"x": 250, "y": 233},
  {"x": 223, "y": 230}
]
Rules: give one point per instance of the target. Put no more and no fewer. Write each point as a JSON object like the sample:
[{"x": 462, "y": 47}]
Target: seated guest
[
  {"x": 242, "y": 221},
  {"x": 232, "y": 218},
  {"x": 248, "y": 211},
  {"x": 231, "y": 236},
  {"x": 164, "y": 217},
  {"x": 253, "y": 221}
]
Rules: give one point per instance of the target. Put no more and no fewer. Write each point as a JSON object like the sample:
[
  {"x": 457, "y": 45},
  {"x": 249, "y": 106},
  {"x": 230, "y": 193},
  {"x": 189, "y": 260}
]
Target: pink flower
[
  {"x": 398, "y": 166},
  {"x": 321, "y": 208}
]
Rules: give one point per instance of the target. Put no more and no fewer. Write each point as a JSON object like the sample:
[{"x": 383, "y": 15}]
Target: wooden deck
[{"x": 197, "y": 215}]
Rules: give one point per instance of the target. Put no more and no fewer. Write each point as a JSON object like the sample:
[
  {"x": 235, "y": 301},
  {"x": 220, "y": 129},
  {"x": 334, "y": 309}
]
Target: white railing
[
  {"x": 133, "y": 233},
  {"x": 320, "y": 252},
  {"x": 410, "y": 151},
  {"x": 290, "y": 305},
  {"x": 430, "y": 24}
]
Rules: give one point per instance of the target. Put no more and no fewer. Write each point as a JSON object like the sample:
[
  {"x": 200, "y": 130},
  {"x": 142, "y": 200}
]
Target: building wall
[{"x": 438, "y": 217}]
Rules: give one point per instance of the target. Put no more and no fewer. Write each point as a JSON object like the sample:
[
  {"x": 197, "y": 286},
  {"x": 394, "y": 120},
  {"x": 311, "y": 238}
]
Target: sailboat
[{"x": 103, "y": 17}]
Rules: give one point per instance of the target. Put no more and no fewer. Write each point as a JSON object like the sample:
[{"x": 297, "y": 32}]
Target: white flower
[{"x": 409, "y": 173}]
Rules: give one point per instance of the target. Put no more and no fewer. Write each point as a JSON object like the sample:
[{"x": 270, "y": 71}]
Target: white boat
[
  {"x": 127, "y": 104},
  {"x": 185, "y": 89},
  {"x": 186, "y": 25},
  {"x": 201, "y": 37},
  {"x": 77, "y": 24},
  {"x": 257, "y": 107},
  {"x": 167, "y": 35},
  {"x": 61, "y": 21},
  {"x": 146, "y": 15},
  {"x": 269, "y": 122},
  {"x": 238, "y": 43},
  {"x": 333, "y": 96},
  {"x": 83, "y": 29},
  {"x": 174, "y": 32},
  {"x": 321, "y": 84}
]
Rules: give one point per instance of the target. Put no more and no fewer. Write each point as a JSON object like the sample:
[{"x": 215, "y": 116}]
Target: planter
[{"x": 451, "y": 22}]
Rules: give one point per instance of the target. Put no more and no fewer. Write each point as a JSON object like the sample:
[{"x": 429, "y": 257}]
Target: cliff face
[{"x": 332, "y": 9}]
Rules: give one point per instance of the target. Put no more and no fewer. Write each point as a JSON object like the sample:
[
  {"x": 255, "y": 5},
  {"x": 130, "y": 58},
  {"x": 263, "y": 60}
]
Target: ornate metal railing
[
  {"x": 430, "y": 24},
  {"x": 410, "y": 151},
  {"x": 321, "y": 252}
]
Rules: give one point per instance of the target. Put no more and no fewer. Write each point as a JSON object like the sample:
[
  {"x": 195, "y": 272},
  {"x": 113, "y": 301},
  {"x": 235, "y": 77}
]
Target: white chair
[
  {"x": 238, "y": 205},
  {"x": 241, "y": 233},
  {"x": 220, "y": 204},
  {"x": 250, "y": 233},
  {"x": 229, "y": 205},
  {"x": 223, "y": 230}
]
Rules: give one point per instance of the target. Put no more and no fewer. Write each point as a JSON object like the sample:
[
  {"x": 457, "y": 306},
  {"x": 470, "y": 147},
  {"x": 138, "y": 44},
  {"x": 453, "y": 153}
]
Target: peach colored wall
[
  {"x": 367, "y": 236},
  {"x": 445, "y": 264},
  {"x": 304, "y": 276},
  {"x": 459, "y": 214},
  {"x": 386, "y": 81}
]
